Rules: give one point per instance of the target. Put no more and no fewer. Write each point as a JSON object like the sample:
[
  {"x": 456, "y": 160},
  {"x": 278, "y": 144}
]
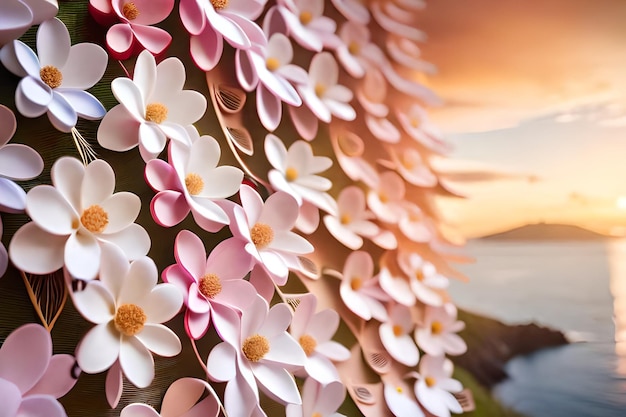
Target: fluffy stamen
[
  {"x": 51, "y": 76},
  {"x": 262, "y": 235},
  {"x": 436, "y": 327},
  {"x": 255, "y": 347},
  {"x": 219, "y": 4},
  {"x": 129, "y": 319},
  {"x": 156, "y": 112},
  {"x": 210, "y": 285},
  {"x": 194, "y": 183},
  {"x": 95, "y": 219},
  {"x": 130, "y": 11},
  {"x": 308, "y": 344}
]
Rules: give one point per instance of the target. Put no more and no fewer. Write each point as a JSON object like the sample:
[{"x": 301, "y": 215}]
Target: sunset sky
[{"x": 535, "y": 96}]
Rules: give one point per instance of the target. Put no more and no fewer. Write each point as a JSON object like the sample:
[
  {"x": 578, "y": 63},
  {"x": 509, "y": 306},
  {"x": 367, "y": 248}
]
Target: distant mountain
[{"x": 544, "y": 231}]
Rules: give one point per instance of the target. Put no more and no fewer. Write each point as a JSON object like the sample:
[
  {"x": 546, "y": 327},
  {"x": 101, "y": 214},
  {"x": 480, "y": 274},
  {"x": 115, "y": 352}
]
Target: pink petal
[
  {"x": 136, "y": 362},
  {"x": 323, "y": 325},
  {"x": 119, "y": 130},
  {"x": 397, "y": 287},
  {"x": 333, "y": 350},
  {"x": 280, "y": 211},
  {"x": 226, "y": 262},
  {"x": 305, "y": 122},
  {"x": 231, "y": 31},
  {"x": 152, "y": 11},
  {"x": 221, "y": 362},
  {"x": 138, "y": 410},
  {"x": 252, "y": 203},
  {"x": 98, "y": 349},
  {"x": 40, "y": 406},
  {"x": 240, "y": 397},
  {"x": 192, "y": 16},
  {"x": 36, "y": 251},
  {"x": 160, "y": 175},
  {"x": 269, "y": 108},
  {"x": 190, "y": 253},
  {"x": 114, "y": 384},
  {"x": 262, "y": 282},
  {"x": 152, "y": 38},
  {"x": 206, "y": 48},
  {"x": 277, "y": 321},
  {"x": 10, "y": 397},
  {"x": 19, "y": 162},
  {"x": 197, "y": 324},
  {"x": 25, "y": 355},
  {"x": 181, "y": 397},
  {"x": 169, "y": 208},
  {"x": 58, "y": 379},
  {"x": 120, "y": 39}
]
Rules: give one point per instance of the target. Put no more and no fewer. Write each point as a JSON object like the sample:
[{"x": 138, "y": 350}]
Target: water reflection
[{"x": 617, "y": 262}]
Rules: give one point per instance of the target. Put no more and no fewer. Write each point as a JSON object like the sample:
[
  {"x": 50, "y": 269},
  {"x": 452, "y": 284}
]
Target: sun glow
[{"x": 620, "y": 203}]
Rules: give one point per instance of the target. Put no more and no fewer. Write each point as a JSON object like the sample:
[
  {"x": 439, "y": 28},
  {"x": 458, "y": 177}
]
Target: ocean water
[{"x": 578, "y": 287}]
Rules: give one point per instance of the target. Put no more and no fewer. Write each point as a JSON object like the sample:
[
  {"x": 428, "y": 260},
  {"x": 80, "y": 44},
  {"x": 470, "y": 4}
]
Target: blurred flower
[
  {"x": 396, "y": 338},
  {"x": 22, "y": 14},
  {"x": 356, "y": 51},
  {"x": 400, "y": 399},
  {"x": 319, "y": 400},
  {"x": 352, "y": 220},
  {"x": 415, "y": 122},
  {"x": 314, "y": 332},
  {"x": 414, "y": 224},
  {"x": 153, "y": 107},
  {"x": 31, "y": 377},
  {"x": 135, "y": 32},
  {"x": 434, "y": 386},
  {"x": 73, "y": 219},
  {"x": 205, "y": 282},
  {"x": 353, "y": 10},
  {"x": 127, "y": 306},
  {"x": 359, "y": 290},
  {"x": 424, "y": 279},
  {"x": 55, "y": 81},
  {"x": 307, "y": 24},
  {"x": 192, "y": 181},
  {"x": 386, "y": 198},
  {"x": 438, "y": 335}
]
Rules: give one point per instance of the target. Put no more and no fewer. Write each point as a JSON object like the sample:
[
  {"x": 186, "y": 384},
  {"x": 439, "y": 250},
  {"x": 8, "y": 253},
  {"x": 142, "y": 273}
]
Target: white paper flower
[
  {"x": 426, "y": 283},
  {"x": 353, "y": 10},
  {"x": 153, "y": 107},
  {"x": 359, "y": 290},
  {"x": 314, "y": 331},
  {"x": 386, "y": 199},
  {"x": 352, "y": 220},
  {"x": 307, "y": 24},
  {"x": 55, "y": 81},
  {"x": 416, "y": 123},
  {"x": 127, "y": 306},
  {"x": 400, "y": 398},
  {"x": 437, "y": 336},
  {"x": 414, "y": 224},
  {"x": 19, "y": 15},
  {"x": 319, "y": 400},
  {"x": 356, "y": 53},
  {"x": 434, "y": 386},
  {"x": 261, "y": 352},
  {"x": 396, "y": 286},
  {"x": 73, "y": 218},
  {"x": 395, "y": 334},
  {"x": 295, "y": 172}
]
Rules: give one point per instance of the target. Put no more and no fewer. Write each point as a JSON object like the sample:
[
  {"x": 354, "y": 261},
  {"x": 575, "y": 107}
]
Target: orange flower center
[
  {"x": 219, "y": 4},
  {"x": 255, "y": 347},
  {"x": 95, "y": 219},
  {"x": 210, "y": 285},
  {"x": 356, "y": 283},
  {"x": 194, "y": 183},
  {"x": 272, "y": 64},
  {"x": 320, "y": 89},
  {"x": 291, "y": 174},
  {"x": 308, "y": 344},
  {"x": 129, "y": 319},
  {"x": 51, "y": 76},
  {"x": 345, "y": 219},
  {"x": 130, "y": 11},
  {"x": 354, "y": 48},
  {"x": 398, "y": 330},
  {"x": 430, "y": 381},
  {"x": 262, "y": 235},
  {"x": 306, "y": 17},
  {"x": 156, "y": 112},
  {"x": 436, "y": 327},
  {"x": 420, "y": 275}
]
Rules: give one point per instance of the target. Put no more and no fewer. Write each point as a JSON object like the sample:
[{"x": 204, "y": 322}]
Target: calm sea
[{"x": 578, "y": 287}]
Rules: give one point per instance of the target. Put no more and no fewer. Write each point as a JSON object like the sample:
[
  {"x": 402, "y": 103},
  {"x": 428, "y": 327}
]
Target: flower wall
[{"x": 221, "y": 207}]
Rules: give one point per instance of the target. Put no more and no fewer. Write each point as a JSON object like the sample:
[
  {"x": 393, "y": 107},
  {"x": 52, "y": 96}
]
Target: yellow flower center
[
  {"x": 255, "y": 347},
  {"x": 219, "y": 4},
  {"x": 291, "y": 174},
  {"x": 398, "y": 330},
  {"x": 272, "y": 64},
  {"x": 194, "y": 183},
  {"x": 306, "y": 17},
  {"x": 430, "y": 381},
  {"x": 399, "y": 390},
  {"x": 130, "y": 11},
  {"x": 320, "y": 89},
  {"x": 316, "y": 414},
  {"x": 354, "y": 48},
  {"x": 95, "y": 219},
  {"x": 356, "y": 283},
  {"x": 308, "y": 344},
  {"x": 129, "y": 319},
  {"x": 408, "y": 161},
  {"x": 345, "y": 219},
  {"x": 262, "y": 235},
  {"x": 420, "y": 275},
  {"x": 210, "y": 285},
  {"x": 51, "y": 76},
  {"x": 436, "y": 327},
  {"x": 415, "y": 122},
  {"x": 156, "y": 112},
  {"x": 383, "y": 198}
]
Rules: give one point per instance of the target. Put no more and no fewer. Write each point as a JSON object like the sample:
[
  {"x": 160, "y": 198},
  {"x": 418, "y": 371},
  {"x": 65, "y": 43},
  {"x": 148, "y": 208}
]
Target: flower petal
[
  {"x": 190, "y": 253},
  {"x": 53, "y": 43},
  {"x": 277, "y": 383},
  {"x": 120, "y": 40},
  {"x": 47, "y": 207},
  {"x": 84, "y": 104},
  {"x": 221, "y": 363},
  {"x": 36, "y": 251},
  {"x": 206, "y": 48},
  {"x": 58, "y": 379},
  {"x": 85, "y": 66},
  {"x": 160, "y": 340},
  {"x": 163, "y": 303},
  {"x": 136, "y": 362},
  {"x": 41, "y": 405},
  {"x": 141, "y": 279},
  {"x": 10, "y": 396},
  {"x": 138, "y": 410},
  {"x": 82, "y": 255},
  {"x": 98, "y": 349},
  {"x": 98, "y": 183},
  {"x": 19, "y": 162},
  {"x": 24, "y": 356},
  {"x": 129, "y": 94},
  {"x": 119, "y": 130},
  {"x": 133, "y": 240},
  {"x": 61, "y": 113},
  {"x": 95, "y": 303}
]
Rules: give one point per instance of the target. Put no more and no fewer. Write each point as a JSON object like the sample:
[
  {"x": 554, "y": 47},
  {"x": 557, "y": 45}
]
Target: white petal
[
  {"x": 277, "y": 383},
  {"x": 85, "y": 66},
  {"x": 221, "y": 364},
  {"x": 50, "y": 210},
  {"x": 36, "y": 251},
  {"x": 160, "y": 340},
  {"x": 82, "y": 255},
  {"x": 136, "y": 362},
  {"x": 53, "y": 43},
  {"x": 95, "y": 303},
  {"x": 129, "y": 95},
  {"x": 98, "y": 349}
]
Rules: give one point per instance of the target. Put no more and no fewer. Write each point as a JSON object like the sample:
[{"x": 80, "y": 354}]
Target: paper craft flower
[
  {"x": 133, "y": 30},
  {"x": 210, "y": 22},
  {"x": 307, "y": 24},
  {"x": 269, "y": 70},
  {"x": 395, "y": 334},
  {"x": 356, "y": 52},
  {"x": 153, "y": 107},
  {"x": 265, "y": 230},
  {"x": 260, "y": 351},
  {"x": 206, "y": 282},
  {"x": 352, "y": 220},
  {"x": 73, "y": 219},
  {"x": 416, "y": 123},
  {"x": 425, "y": 282},
  {"x": 386, "y": 199},
  {"x": 55, "y": 81},
  {"x": 415, "y": 225},
  {"x": 294, "y": 172},
  {"x": 400, "y": 398},
  {"x": 19, "y": 15},
  {"x": 127, "y": 306},
  {"x": 318, "y": 400},
  {"x": 314, "y": 332},
  {"x": 31, "y": 377},
  {"x": 349, "y": 150},
  {"x": 181, "y": 400},
  {"x": 192, "y": 181},
  {"x": 434, "y": 386},
  {"x": 396, "y": 286},
  {"x": 359, "y": 290},
  {"x": 438, "y": 334}
]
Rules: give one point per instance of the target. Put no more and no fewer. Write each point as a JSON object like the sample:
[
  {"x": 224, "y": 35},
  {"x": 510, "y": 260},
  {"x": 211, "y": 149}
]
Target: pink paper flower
[
  {"x": 31, "y": 377},
  {"x": 400, "y": 398},
  {"x": 353, "y": 10},
  {"x": 386, "y": 199},
  {"x": 425, "y": 282},
  {"x": 359, "y": 290},
  {"x": 352, "y": 220},
  {"x": 19, "y": 15},
  {"x": 73, "y": 219},
  {"x": 153, "y": 107},
  {"x": 192, "y": 181},
  {"x": 210, "y": 22},
  {"x": 434, "y": 386},
  {"x": 132, "y": 31},
  {"x": 396, "y": 286},
  {"x": 349, "y": 149},
  {"x": 319, "y": 400},
  {"x": 207, "y": 282},
  {"x": 395, "y": 334},
  {"x": 314, "y": 331},
  {"x": 55, "y": 81},
  {"x": 181, "y": 400},
  {"x": 416, "y": 123},
  {"x": 307, "y": 24},
  {"x": 259, "y": 351},
  {"x": 414, "y": 224},
  {"x": 265, "y": 230},
  {"x": 406, "y": 53},
  {"x": 356, "y": 53},
  {"x": 437, "y": 336},
  {"x": 127, "y": 306},
  {"x": 17, "y": 162}
]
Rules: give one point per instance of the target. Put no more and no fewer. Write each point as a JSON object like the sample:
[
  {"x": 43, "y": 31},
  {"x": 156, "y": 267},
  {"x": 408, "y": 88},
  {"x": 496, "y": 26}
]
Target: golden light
[{"x": 620, "y": 203}]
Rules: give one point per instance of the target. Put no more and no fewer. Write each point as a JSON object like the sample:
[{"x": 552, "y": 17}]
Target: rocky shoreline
[{"x": 491, "y": 344}]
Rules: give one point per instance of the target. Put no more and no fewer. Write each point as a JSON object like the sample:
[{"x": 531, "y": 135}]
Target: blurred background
[{"x": 535, "y": 107}]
